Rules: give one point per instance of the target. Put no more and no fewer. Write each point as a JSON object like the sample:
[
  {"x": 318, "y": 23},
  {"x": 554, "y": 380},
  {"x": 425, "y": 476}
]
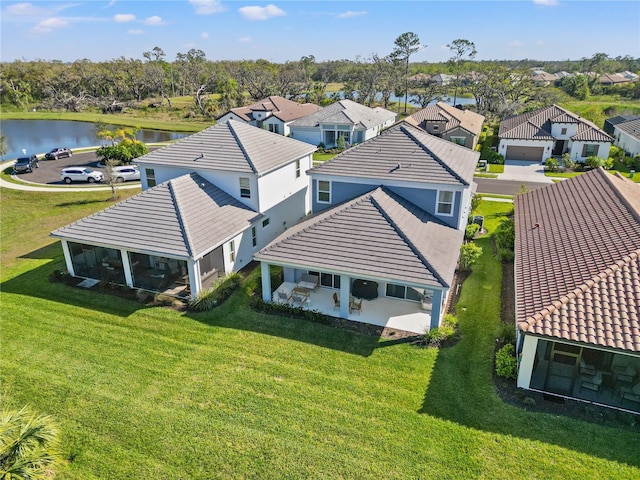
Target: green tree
[
  {"x": 469, "y": 255},
  {"x": 3, "y": 147},
  {"x": 28, "y": 445},
  {"x": 462, "y": 50},
  {"x": 406, "y": 45}
]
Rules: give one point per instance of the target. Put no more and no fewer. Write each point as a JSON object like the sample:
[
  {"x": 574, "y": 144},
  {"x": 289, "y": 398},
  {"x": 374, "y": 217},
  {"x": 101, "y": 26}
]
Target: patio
[{"x": 382, "y": 311}]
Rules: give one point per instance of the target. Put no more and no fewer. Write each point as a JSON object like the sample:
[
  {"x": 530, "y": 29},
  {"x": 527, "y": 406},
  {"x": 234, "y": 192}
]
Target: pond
[{"x": 40, "y": 136}]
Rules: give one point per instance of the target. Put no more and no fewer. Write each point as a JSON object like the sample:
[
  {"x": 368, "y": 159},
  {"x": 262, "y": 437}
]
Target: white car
[
  {"x": 126, "y": 173},
  {"x": 81, "y": 174}
]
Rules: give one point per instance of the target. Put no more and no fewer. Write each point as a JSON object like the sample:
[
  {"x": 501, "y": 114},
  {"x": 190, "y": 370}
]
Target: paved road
[{"x": 505, "y": 187}]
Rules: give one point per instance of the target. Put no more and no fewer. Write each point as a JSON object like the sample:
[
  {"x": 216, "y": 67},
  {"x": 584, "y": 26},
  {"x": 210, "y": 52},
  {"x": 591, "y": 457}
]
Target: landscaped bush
[
  {"x": 616, "y": 152},
  {"x": 505, "y": 234},
  {"x": 597, "y": 162},
  {"x": 632, "y": 163},
  {"x": 471, "y": 230},
  {"x": 496, "y": 158},
  {"x": 551, "y": 164},
  {"x": 506, "y": 333},
  {"x": 476, "y": 200},
  {"x": 506, "y": 255},
  {"x": 216, "y": 295},
  {"x": 568, "y": 162},
  {"x": 450, "y": 320},
  {"x": 436, "y": 336},
  {"x": 469, "y": 255},
  {"x": 506, "y": 365}
]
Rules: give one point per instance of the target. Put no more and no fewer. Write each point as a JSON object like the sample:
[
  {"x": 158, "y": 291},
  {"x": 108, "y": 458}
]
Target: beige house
[{"x": 445, "y": 121}]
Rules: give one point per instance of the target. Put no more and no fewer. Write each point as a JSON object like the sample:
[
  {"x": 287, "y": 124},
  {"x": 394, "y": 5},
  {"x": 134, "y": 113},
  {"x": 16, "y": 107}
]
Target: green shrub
[
  {"x": 568, "y": 162},
  {"x": 505, "y": 235},
  {"x": 595, "y": 162},
  {"x": 469, "y": 255},
  {"x": 437, "y": 335},
  {"x": 476, "y": 200},
  {"x": 212, "y": 297},
  {"x": 471, "y": 230},
  {"x": 551, "y": 164},
  {"x": 506, "y": 333},
  {"x": 506, "y": 365},
  {"x": 616, "y": 152},
  {"x": 495, "y": 158},
  {"x": 450, "y": 320},
  {"x": 506, "y": 255}
]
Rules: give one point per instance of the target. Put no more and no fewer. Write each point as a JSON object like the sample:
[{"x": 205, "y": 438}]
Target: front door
[{"x": 558, "y": 148}]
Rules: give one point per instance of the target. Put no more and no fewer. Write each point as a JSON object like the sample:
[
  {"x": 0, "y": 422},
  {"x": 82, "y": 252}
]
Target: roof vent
[{"x": 198, "y": 158}]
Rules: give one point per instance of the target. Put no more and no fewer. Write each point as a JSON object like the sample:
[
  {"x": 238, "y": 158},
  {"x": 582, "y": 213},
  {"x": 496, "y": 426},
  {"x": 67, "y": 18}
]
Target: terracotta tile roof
[
  {"x": 282, "y": 108},
  {"x": 442, "y": 112},
  {"x": 536, "y": 125},
  {"x": 578, "y": 261},
  {"x": 376, "y": 235}
]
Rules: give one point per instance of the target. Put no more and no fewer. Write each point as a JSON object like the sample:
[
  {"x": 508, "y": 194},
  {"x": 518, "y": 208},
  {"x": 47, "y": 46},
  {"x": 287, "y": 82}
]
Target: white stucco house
[
  {"x": 627, "y": 136},
  {"x": 551, "y": 131},
  {"x": 354, "y": 122},
  {"x": 273, "y": 113},
  {"x": 209, "y": 201}
]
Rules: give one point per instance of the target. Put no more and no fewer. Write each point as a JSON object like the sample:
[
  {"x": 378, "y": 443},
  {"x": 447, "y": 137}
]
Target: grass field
[{"x": 146, "y": 392}]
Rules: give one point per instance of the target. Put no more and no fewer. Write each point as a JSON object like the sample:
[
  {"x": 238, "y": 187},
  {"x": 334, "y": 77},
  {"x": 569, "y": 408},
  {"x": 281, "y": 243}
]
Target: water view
[{"x": 40, "y": 136}]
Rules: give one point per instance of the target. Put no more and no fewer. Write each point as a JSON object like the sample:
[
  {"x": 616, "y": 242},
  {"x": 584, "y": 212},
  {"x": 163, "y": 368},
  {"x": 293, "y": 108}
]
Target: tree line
[{"x": 499, "y": 87}]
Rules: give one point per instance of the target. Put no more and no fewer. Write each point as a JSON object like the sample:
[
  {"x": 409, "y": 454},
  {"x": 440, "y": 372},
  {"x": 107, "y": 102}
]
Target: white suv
[
  {"x": 80, "y": 174},
  {"x": 126, "y": 173}
]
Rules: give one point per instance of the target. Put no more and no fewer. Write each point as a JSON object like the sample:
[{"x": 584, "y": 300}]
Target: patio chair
[
  {"x": 336, "y": 301},
  {"x": 592, "y": 383},
  {"x": 283, "y": 297},
  {"x": 355, "y": 305},
  {"x": 298, "y": 299}
]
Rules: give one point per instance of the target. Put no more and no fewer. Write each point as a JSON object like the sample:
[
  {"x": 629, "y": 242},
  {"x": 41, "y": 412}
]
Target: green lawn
[
  {"x": 144, "y": 392},
  {"x": 322, "y": 157}
]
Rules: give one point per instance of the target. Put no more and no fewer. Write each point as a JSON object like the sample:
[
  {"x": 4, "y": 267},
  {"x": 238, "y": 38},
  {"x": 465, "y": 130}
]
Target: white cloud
[
  {"x": 204, "y": 35},
  {"x": 136, "y": 31},
  {"x": 261, "y": 13},
  {"x": 154, "y": 21},
  {"x": 350, "y": 14},
  {"x": 124, "y": 17},
  {"x": 48, "y": 25},
  {"x": 546, "y": 3},
  {"x": 515, "y": 44},
  {"x": 245, "y": 39},
  {"x": 539, "y": 42},
  {"x": 24, "y": 9},
  {"x": 206, "y": 7}
]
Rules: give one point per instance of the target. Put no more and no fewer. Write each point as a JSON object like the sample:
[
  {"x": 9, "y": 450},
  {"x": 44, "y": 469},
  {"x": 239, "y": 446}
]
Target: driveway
[{"x": 524, "y": 171}]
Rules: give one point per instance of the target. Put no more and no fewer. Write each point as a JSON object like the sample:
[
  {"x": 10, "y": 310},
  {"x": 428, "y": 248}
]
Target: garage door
[{"x": 525, "y": 153}]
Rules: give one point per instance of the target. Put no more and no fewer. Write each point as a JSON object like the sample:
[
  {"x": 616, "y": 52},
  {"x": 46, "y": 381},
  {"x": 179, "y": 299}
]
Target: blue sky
[{"x": 287, "y": 30}]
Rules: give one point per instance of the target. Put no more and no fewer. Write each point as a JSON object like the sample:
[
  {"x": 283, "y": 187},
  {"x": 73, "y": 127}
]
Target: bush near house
[
  {"x": 506, "y": 365},
  {"x": 216, "y": 295},
  {"x": 504, "y": 238},
  {"x": 551, "y": 164},
  {"x": 469, "y": 255}
]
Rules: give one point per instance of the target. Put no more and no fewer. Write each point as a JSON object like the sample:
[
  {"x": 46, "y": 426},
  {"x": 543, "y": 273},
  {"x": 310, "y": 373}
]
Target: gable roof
[
  {"x": 631, "y": 127},
  {"x": 185, "y": 217},
  {"x": 231, "y": 146},
  {"x": 536, "y": 125},
  {"x": 378, "y": 234},
  {"x": 347, "y": 112},
  {"x": 407, "y": 153},
  {"x": 578, "y": 260},
  {"x": 454, "y": 117},
  {"x": 281, "y": 108}
]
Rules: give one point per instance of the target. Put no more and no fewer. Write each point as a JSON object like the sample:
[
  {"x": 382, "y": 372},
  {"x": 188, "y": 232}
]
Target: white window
[
  {"x": 324, "y": 191},
  {"x": 445, "y": 203},
  {"x": 151, "y": 177},
  {"x": 265, "y": 222},
  {"x": 245, "y": 188},
  {"x": 297, "y": 168},
  {"x": 458, "y": 140},
  {"x": 232, "y": 251},
  {"x": 254, "y": 236}
]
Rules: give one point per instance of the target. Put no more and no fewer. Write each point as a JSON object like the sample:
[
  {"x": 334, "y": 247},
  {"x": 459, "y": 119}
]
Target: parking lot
[{"x": 48, "y": 172}]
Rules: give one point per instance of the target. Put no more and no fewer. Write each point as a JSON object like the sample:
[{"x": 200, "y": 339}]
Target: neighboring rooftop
[
  {"x": 407, "y": 153},
  {"x": 578, "y": 260},
  {"x": 376, "y": 235},
  {"x": 231, "y": 146},
  {"x": 280, "y": 107},
  {"x": 632, "y": 127},
  {"x": 185, "y": 216},
  {"x": 347, "y": 112},
  {"x": 454, "y": 117},
  {"x": 537, "y": 125}
]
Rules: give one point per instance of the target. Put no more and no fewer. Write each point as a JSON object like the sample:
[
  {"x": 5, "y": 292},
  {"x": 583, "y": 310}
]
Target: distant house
[
  {"x": 547, "y": 131},
  {"x": 617, "y": 78},
  {"x": 577, "y": 280},
  {"x": 544, "y": 78},
  {"x": 610, "y": 123},
  {"x": 352, "y": 121},
  {"x": 272, "y": 113},
  {"x": 627, "y": 136},
  {"x": 209, "y": 202},
  {"x": 458, "y": 126},
  {"x": 443, "y": 79},
  {"x": 387, "y": 225}
]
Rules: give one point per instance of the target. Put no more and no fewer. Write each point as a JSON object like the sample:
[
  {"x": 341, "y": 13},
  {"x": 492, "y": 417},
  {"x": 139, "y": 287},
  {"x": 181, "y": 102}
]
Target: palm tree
[{"x": 28, "y": 445}]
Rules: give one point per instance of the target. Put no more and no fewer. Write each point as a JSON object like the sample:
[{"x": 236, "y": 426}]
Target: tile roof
[
  {"x": 377, "y": 235},
  {"x": 185, "y": 217},
  {"x": 578, "y": 261},
  {"x": 536, "y": 125},
  {"x": 441, "y": 112},
  {"x": 282, "y": 108},
  {"x": 347, "y": 112},
  {"x": 232, "y": 146},
  {"x": 632, "y": 127},
  {"x": 407, "y": 153}
]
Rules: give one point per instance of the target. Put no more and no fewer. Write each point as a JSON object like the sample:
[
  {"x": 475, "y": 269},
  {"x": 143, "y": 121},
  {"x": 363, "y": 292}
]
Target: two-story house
[
  {"x": 209, "y": 202},
  {"x": 352, "y": 121},
  {"x": 551, "y": 131},
  {"x": 273, "y": 113},
  {"x": 387, "y": 226},
  {"x": 445, "y": 121}
]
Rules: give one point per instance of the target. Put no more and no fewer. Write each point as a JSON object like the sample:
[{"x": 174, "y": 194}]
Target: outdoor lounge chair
[
  {"x": 355, "y": 305},
  {"x": 283, "y": 297}
]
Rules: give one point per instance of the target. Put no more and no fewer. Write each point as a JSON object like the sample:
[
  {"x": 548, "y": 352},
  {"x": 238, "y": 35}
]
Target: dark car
[
  {"x": 60, "y": 152},
  {"x": 25, "y": 164}
]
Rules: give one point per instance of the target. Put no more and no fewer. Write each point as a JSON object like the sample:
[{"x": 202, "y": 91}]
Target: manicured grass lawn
[
  {"x": 322, "y": 157},
  {"x": 496, "y": 168},
  {"x": 144, "y": 392}
]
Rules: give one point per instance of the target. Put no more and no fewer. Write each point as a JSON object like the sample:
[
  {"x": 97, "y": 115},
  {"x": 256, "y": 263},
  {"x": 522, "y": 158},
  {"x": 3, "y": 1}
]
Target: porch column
[
  {"x": 195, "y": 282},
  {"x": 527, "y": 359},
  {"x": 67, "y": 258},
  {"x": 126, "y": 266},
  {"x": 265, "y": 273},
  {"x": 345, "y": 290},
  {"x": 436, "y": 308}
]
